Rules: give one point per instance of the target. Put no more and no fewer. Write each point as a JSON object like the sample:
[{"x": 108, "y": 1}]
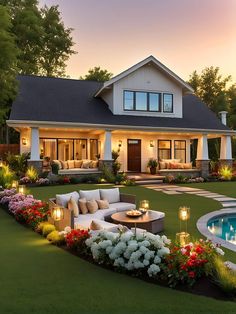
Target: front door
[{"x": 134, "y": 155}]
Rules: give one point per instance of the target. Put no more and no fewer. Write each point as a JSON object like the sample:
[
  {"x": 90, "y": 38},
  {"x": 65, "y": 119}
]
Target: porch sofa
[
  {"x": 73, "y": 167},
  {"x": 118, "y": 202}
]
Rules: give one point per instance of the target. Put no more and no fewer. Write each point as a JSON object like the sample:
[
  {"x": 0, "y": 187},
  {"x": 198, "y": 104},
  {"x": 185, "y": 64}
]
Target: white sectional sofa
[{"x": 117, "y": 202}]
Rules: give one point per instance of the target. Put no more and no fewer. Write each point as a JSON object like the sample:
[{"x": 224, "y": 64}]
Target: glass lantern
[
  {"x": 144, "y": 206},
  {"x": 21, "y": 189},
  {"x": 184, "y": 213},
  {"x": 57, "y": 213},
  {"x": 14, "y": 184}
]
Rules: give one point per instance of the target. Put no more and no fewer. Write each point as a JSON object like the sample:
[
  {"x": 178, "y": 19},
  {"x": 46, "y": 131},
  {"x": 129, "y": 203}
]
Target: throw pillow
[
  {"x": 111, "y": 195},
  {"x": 173, "y": 165},
  {"x": 64, "y": 164},
  {"x": 85, "y": 164},
  {"x": 95, "y": 226},
  {"x": 83, "y": 206},
  {"x": 63, "y": 199},
  {"x": 103, "y": 204},
  {"x": 92, "y": 206},
  {"x": 94, "y": 164},
  {"x": 71, "y": 164},
  {"x": 162, "y": 165},
  {"x": 188, "y": 165},
  {"x": 90, "y": 194},
  {"x": 78, "y": 163},
  {"x": 73, "y": 205}
]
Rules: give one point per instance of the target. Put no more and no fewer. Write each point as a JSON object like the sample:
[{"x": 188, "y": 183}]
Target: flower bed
[{"x": 144, "y": 255}]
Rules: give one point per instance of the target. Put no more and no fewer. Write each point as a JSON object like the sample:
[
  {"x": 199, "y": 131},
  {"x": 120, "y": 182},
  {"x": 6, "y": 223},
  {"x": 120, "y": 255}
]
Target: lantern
[
  {"x": 14, "y": 184},
  {"x": 1, "y": 163},
  {"x": 184, "y": 213},
  {"x": 57, "y": 213},
  {"x": 144, "y": 205},
  {"x": 21, "y": 189},
  {"x": 183, "y": 238}
]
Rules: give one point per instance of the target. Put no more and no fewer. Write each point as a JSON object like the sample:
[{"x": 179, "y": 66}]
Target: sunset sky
[{"x": 183, "y": 34}]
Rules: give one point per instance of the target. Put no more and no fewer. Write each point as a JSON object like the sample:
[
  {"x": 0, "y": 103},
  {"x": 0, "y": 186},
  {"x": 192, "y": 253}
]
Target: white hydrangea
[
  {"x": 104, "y": 244},
  {"x": 153, "y": 270},
  {"x": 219, "y": 251}
]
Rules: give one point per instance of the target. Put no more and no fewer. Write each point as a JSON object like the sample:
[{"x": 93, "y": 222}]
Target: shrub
[
  {"x": 6, "y": 176},
  {"x": 169, "y": 179},
  {"x": 226, "y": 173},
  {"x": 24, "y": 180},
  {"x": 64, "y": 180},
  {"x": 129, "y": 182},
  {"x": 18, "y": 163},
  {"x": 40, "y": 226},
  {"x": 143, "y": 252},
  {"x": 75, "y": 240},
  {"x": 48, "y": 228},
  {"x": 152, "y": 163},
  {"x": 120, "y": 177},
  {"x": 55, "y": 168},
  {"x": 43, "y": 181},
  {"x": 75, "y": 180},
  {"x": 56, "y": 238},
  {"x": 6, "y": 195},
  {"x": 116, "y": 164},
  {"x": 107, "y": 174},
  {"x": 32, "y": 174}
]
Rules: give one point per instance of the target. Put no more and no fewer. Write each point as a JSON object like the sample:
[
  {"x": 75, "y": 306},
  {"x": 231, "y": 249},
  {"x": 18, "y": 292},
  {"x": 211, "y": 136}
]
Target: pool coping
[{"x": 202, "y": 228}]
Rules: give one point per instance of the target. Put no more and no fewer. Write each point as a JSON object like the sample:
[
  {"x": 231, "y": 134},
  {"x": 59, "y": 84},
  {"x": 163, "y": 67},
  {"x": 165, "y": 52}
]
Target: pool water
[{"x": 224, "y": 227}]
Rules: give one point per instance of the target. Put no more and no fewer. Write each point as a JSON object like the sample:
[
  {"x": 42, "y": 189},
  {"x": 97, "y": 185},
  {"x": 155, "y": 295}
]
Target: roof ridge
[{"x": 56, "y": 78}]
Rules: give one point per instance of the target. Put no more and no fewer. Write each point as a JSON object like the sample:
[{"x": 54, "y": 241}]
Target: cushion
[
  {"x": 63, "y": 199},
  {"x": 92, "y": 206},
  {"x": 95, "y": 225},
  {"x": 174, "y": 165},
  {"x": 162, "y": 165},
  {"x": 93, "y": 164},
  {"x": 73, "y": 205},
  {"x": 83, "y": 206},
  {"x": 71, "y": 164},
  {"x": 64, "y": 164},
  {"x": 90, "y": 194},
  {"x": 102, "y": 213},
  {"x": 111, "y": 195},
  {"x": 78, "y": 163},
  {"x": 171, "y": 160},
  {"x": 121, "y": 206},
  {"x": 58, "y": 162},
  {"x": 187, "y": 165},
  {"x": 103, "y": 204},
  {"x": 86, "y": 164}
]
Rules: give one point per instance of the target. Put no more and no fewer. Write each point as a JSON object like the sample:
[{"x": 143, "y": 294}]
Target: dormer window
[
  {"x": 148, "y": 101},
  {"x": 142, "y": 101}
]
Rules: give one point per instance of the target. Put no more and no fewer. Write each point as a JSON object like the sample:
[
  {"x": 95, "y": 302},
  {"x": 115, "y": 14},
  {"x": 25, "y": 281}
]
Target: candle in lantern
[
  {"x": 57, "y": 213},
  {"x": 21, "y": 189}
]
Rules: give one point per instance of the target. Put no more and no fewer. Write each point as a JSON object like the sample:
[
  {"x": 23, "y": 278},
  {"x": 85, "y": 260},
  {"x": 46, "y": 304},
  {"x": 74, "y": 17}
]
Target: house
[{"x": 146, "y": 112}]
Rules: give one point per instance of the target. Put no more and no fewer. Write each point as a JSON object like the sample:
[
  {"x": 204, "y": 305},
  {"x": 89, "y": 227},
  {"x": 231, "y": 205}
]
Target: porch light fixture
[
  {"x": 120, "y": 143},
  {"x": 24, "y": 141},
  {"x": 14, "y": 184},
  {"x": 144, "y": 206},
  {"x": 151, "y": 143},
  {"x": 57, "y": 213},
  {"x": 183, "y": 237},
  {"x": 21, "y": 189}
]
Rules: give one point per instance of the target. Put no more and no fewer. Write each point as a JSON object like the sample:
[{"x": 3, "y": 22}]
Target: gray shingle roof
[{"x": 66, "y": 100}]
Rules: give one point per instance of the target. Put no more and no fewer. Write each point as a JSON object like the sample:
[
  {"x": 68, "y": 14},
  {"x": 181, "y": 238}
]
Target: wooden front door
[{"x": 134, "y": 155}]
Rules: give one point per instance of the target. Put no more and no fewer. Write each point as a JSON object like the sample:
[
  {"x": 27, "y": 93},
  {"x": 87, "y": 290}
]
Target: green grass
[
  {"x": 37, "y": 277},
  {"x": 225, "y": 188}
]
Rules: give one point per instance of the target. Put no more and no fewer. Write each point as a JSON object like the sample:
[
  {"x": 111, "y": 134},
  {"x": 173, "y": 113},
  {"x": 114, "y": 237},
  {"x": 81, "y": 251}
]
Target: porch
[{"x": 135, "y": 148}]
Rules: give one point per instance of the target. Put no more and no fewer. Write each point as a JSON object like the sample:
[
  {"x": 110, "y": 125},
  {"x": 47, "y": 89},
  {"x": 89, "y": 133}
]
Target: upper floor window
[
  {"x": 167, "y": 102},
  {"x": 142, "y": 101},
  {"x": 147, "y": 101}
]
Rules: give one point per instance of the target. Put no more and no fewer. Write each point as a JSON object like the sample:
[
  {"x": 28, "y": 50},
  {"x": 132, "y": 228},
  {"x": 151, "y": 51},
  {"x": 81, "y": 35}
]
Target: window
[
  {"x": 93, "y": 149},
  {"x": 180, "y": 150},
  {"x": 167, "y": 103},
  {"x": 154, "y": 102},
  {"x": 80, "y": 147},
  {"x": 128, "y": 100},
  {"x": 147, "y": 101},
  {"x": 48, "y": 148},
  {"x": 164, "y": 149},
  {"x": 65, "y": 149}
]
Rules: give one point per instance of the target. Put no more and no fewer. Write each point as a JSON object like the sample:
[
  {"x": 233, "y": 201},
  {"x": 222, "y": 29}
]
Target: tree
[
  {"x": 211, "y": 87},
  {"x": 97, "y": 74},
  {"x": 8, "y": 60},
  {"x": 57, "y": 43}
]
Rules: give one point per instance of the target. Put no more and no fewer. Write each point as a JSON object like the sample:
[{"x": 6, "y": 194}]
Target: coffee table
[{"x": 152, "y": 221}]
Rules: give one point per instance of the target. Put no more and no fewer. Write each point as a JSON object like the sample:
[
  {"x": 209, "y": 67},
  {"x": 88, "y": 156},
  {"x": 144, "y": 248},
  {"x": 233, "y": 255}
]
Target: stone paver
[
  {"x": 228, "y": 204},
  {"x": 225, "y": 199},
  {"x": 171, "y": 192}
]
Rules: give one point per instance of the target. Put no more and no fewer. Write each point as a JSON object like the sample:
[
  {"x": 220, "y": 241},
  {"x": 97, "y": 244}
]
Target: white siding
[
  {"x": 107, "y": 95},
  {"x": 146, "y": 78}
]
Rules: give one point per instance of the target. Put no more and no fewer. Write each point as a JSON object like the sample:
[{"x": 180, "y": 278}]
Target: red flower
[{"x": 191, "y": 274}]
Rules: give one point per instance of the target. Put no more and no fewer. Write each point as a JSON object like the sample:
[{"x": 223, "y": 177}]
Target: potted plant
[{"x": 152, "y": 164}]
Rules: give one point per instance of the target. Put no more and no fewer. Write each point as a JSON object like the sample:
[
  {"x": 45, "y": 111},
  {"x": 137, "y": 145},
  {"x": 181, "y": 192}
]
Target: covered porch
[{"x": 135, "y": 147}]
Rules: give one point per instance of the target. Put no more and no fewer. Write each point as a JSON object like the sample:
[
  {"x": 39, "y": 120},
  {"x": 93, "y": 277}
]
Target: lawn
[{"x": 37, "y": 277}]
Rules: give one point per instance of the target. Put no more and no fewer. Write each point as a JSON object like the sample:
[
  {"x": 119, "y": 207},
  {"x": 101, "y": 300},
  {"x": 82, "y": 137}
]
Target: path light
[
  {"x": 183, "y": 237},
  {"x": 21, "y": 189},
  {"x": 14, "y": 184},
  {"x": 57, "y": 213},
  {"x": 144, "y": 206}
]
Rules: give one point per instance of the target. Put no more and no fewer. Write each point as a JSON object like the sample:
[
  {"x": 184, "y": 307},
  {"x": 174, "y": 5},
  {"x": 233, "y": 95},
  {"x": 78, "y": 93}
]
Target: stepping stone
[
  {"x": 229, "y": 204},
  {"x": 225, "y": 199},
  {"x": 214, "y": 196},
  {"x": 199, "y": 192},
  {"x": 171, "y": 192}
]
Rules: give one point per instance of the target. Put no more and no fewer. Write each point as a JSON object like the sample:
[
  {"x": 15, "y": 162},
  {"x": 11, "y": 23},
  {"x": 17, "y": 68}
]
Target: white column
[
  {"x": 225, "y": 147},
  {"x": 202, "y": 148},
  {"x": 34, "y": 151},
  {"x": 107, "y": 146}
]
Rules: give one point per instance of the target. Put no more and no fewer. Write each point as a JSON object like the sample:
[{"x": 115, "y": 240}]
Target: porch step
[{"x": 148, "y": 182}]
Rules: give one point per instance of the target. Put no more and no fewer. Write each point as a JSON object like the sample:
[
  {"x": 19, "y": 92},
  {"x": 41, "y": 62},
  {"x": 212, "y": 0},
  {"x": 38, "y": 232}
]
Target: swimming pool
[{"x": 223, "y": 227}]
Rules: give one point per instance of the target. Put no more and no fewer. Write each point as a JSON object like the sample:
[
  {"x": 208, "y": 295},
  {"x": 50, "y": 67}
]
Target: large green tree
[
  {"x": 97, "y": 74},
  {"x": 8, "y": 61}
]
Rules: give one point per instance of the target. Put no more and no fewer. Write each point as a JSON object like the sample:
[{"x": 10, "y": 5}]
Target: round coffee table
[{"x": 151, "y": 221}]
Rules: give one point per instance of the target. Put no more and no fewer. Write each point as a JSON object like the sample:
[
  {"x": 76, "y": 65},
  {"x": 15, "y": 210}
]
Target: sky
[{"x": 185, "y": 35}]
